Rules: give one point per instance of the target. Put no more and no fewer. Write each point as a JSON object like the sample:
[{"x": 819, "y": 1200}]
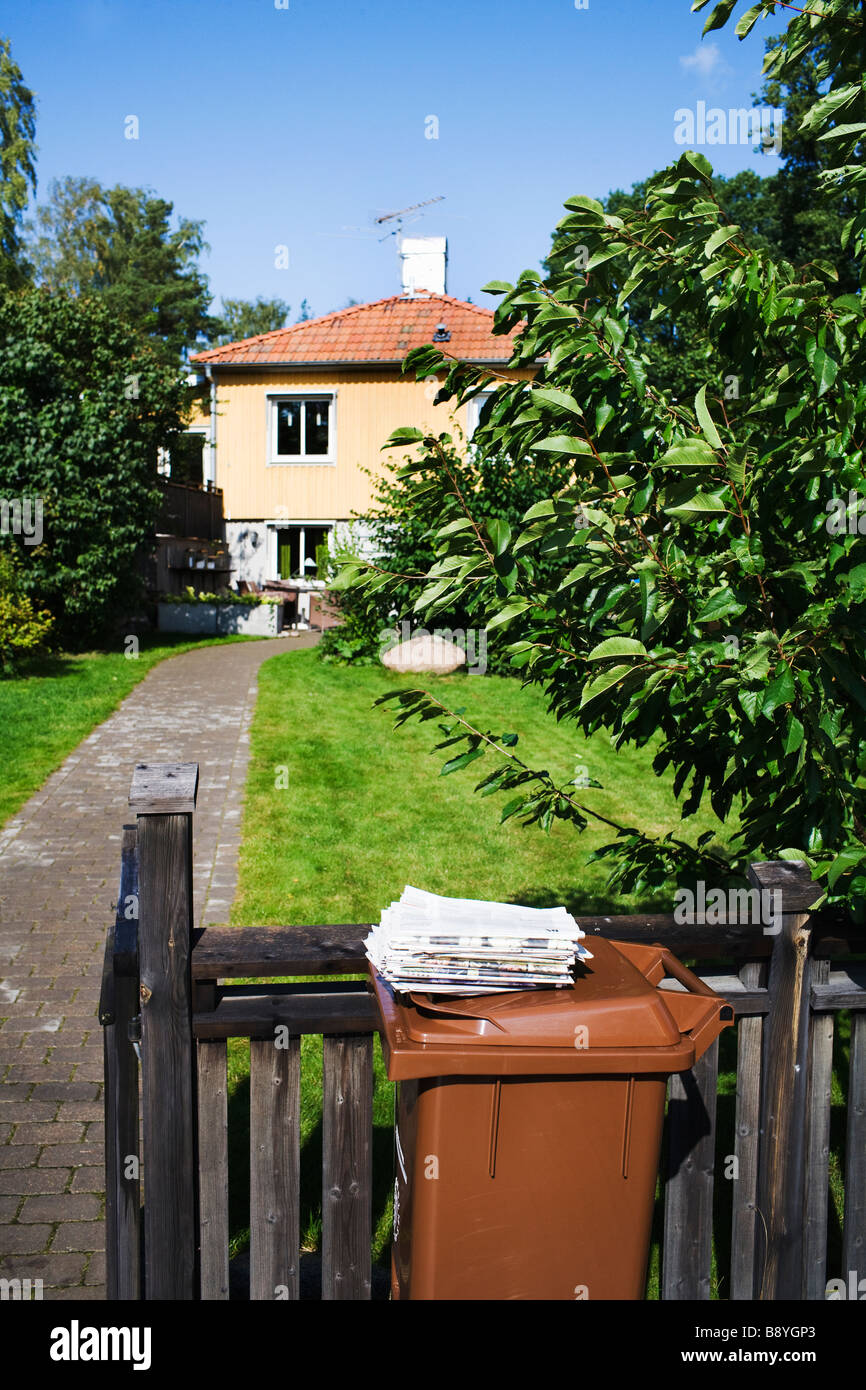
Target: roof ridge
[
  {"x": 348, "y": 310},
  {"x": 287, "y": 344}
]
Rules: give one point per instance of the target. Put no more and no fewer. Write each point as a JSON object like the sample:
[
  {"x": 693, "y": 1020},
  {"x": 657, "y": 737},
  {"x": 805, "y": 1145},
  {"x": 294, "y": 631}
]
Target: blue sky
[{"x": 296, "y": 126}]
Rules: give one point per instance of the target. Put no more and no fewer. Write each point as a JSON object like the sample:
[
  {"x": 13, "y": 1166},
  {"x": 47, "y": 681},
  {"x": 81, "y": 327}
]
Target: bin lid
[{"x": 612, "y": 1018}]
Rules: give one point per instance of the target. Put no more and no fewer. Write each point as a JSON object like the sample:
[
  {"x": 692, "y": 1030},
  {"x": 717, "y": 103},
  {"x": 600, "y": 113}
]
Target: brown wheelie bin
[{"x": 529, "y": 1124}]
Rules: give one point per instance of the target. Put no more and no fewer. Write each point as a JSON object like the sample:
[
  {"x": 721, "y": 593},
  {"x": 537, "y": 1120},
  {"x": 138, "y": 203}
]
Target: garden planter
[{"x": 258, "y": 620}]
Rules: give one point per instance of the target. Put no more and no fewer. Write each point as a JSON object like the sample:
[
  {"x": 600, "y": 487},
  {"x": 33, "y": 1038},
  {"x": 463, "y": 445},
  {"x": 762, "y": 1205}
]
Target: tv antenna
[
  {"x": 390, "y": 216},
  {"x": 362, "y": 233}
]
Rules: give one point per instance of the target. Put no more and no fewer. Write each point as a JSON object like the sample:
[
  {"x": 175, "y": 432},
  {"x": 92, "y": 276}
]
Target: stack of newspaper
[{"x": 459, "y": 946}]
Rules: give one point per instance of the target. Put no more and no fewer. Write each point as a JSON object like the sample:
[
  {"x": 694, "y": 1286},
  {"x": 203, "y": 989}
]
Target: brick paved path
[{"x": 59, "y": 865}]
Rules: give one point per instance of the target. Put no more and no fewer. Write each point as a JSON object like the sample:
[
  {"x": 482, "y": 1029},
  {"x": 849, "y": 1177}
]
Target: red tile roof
[{"x": 383, "y": 331}]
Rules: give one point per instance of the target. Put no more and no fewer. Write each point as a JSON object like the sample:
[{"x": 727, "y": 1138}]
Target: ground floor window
[{"x": 296, "y": 550}]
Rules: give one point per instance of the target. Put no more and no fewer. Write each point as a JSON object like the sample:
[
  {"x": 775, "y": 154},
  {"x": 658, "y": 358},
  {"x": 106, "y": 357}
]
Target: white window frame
[
  {"x": 273, "y": 553},
  {"x": 473, "y": 411},
  {"x": 274, "y": 399}
]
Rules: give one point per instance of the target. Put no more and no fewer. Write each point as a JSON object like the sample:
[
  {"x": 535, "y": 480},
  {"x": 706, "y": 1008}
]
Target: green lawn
[
  {"x": 342, "y": 812},
  {"x": 46, "y": 713}
]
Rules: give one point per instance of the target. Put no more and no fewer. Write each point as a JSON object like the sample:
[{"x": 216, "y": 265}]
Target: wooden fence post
[
  {"x": 784, "y": 1127},
  {"x": 163, "y": 795},
  {"x": 118, "y": 1005}
]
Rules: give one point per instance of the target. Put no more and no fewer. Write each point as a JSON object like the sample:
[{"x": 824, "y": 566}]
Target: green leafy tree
[
  {"x": 716, "y": 592},
  {"x": 781, "y": 213},
  {"x": 246, "y": 318},
  {"x": 84, "y": 408},
  {"x": 401, "y": 529},
  {"x": 810, "y": 211},
  {"x": 17, "y": 164},
  {"x": 119, "y": 243}
]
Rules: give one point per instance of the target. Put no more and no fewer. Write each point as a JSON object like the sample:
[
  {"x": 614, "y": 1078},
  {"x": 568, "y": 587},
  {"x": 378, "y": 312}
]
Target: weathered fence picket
[
  {"x": 688, "y": 1231},
  {"x": 213, "y": 1168},
  {"x": 275, "y": 1168},
  {"x": 176, "y": 986}
]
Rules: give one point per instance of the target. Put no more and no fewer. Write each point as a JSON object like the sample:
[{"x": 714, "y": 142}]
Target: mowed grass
[
  {"x": 342, "y": 812},
  {"x": 45, "y": 713}
]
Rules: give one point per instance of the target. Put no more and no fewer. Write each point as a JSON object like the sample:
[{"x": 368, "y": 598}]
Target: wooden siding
[{"x": 370, "y": 405}]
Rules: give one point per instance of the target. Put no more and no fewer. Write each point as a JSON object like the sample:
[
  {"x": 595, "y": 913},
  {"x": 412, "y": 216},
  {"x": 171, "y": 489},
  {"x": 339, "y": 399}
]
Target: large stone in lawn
[{"x": 425, "y": 652}]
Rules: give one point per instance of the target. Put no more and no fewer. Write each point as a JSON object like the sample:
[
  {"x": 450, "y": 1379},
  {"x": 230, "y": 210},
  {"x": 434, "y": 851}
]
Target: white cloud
[{"x": 706, "y": 60}]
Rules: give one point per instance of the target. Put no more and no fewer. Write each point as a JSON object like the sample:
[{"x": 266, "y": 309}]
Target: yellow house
[{"x": 292, "y": 419}]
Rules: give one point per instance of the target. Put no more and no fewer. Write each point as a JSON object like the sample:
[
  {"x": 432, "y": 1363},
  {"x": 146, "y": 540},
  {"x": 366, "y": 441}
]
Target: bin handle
[
  {"x": 693, "y": 983},
  {"x": 703, "y": 1028}
]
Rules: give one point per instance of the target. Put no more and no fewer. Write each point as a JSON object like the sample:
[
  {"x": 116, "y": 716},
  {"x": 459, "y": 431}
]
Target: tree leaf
[
  {"x": 825, "y": 369},
  {"x": 583, "y": 204},
  {"x": 563, "y": 444},
  {"x": 805, "y": 291},
  {"x": 602, "y": 682},
  {"x": 617, "y": 646},
  {"x": 720, "y": 15},
  {"x": 454, "y": 764},
  {"x": 700, "y": 502},
  {"x": 688, "y": 453},
  {"x": 795, "y": 734},
  {"x": 705, "y": 419},
  {"x": 718, "y": 238},
  {"x": 635, "y": 371},
  {"x": 736, "y": 466},
  {"x": 724, "y": 604},
  {"x": 550, "y": 395},
  {"x": 499, "y": 532},
  {"x": 746, "y": 23},
  {"x": 405, "y": 435},
  {"x": 693, "y": 162},
  {"x": 507, "y": 614},
  {"x": 780, "y": 691},
  {"x": 750, "y": 703}
]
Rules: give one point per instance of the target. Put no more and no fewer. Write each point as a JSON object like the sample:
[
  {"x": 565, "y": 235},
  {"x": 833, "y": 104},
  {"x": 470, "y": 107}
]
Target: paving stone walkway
[{"x": 59, "y": 866}]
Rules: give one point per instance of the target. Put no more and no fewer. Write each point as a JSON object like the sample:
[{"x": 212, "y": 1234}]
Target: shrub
[{"x": 24, "y": 630}]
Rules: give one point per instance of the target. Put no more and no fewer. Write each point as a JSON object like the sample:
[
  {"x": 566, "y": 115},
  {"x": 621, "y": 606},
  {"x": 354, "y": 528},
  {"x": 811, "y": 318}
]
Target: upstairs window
[{"x": 302, "y": 429}]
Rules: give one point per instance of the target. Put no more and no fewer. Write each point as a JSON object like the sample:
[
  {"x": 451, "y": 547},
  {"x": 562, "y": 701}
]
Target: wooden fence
[
  {"x": 191, "y": 512},
  {"x": 168, "y": 1012}
]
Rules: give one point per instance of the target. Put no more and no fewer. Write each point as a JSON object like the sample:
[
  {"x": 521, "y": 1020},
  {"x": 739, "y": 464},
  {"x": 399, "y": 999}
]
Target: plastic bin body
[{"x": 527, "y": 1170}]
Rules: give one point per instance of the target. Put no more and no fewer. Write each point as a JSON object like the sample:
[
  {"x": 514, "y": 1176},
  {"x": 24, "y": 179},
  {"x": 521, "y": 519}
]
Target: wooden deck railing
[
  {"x": 192, "y": 512},
  {"x": 164, "y": 983}
]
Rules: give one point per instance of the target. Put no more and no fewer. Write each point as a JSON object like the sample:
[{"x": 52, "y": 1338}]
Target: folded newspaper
[{"x": 461, "y": 946}]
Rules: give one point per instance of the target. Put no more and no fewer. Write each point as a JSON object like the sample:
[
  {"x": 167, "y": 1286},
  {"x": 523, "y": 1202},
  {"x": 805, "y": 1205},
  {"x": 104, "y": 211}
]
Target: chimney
[{"x": 422, "y": 261}]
